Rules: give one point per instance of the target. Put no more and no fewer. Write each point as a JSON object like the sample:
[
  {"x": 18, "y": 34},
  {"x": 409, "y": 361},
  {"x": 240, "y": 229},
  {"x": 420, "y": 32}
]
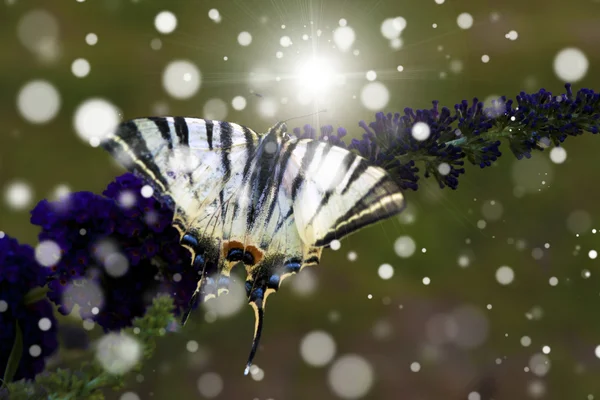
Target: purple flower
[
  {"x": 19, "y": 275},
  {"x": 118, "y": 251}
]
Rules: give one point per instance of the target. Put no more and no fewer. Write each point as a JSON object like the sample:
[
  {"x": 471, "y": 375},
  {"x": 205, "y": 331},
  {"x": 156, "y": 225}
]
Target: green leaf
[
  {"x": 15, "y": 355},
  {"x": 35, "y": 295}
]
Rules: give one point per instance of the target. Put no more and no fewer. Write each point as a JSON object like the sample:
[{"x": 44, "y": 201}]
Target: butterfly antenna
[
  {"x": 259, "y": 314},
  {"x": 306, "y": 115}
]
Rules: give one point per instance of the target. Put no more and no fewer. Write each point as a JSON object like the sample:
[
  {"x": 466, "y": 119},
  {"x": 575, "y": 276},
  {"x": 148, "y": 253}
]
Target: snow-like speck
[
  {"x": 350, "y": 377},
  {"x": 456, "y": 66},
  {"x": 285, "y": 41},
  {"x": 91, "y": 39},
  {"x": 405, "y": 246},
  {"x": 385, "y": 271},
  {"x": 181, "y": 79},
  {"x": 192, "y": 346},
  {"x": 267, "y": 108},
  {"x": 375, "y": 96},
  {"x": 539, "y": 364},
  {"x": 147, "y": 191},
  {"x": 505, "y": 275},
  {"x": 426, "y": 281},
  {"x": 80, "y": 67},
  {"x": 129, "y": 396},
  {"x": 464, "y": 20},
  {"x": 553, "y": 281},
  {"x": 38, "y": 31},
  {"x": 47, "y": 253},
  {"x": 231, "y": 304},
  {"x": 371, "y": 75},
  {"x": 558, "y": 155},
  {"x": 525, "y": 341},
  {"x": 116, "y": 264},
  {"x": 571, "y": 64},
  {"x": 344, "y": 37},
  {"x": 244, "y": 38},
  {"x": 400, "y": 68},
  {"x": 474, "y": 396},
  {"x": 215, "y": 109},
  {"x": 352, "y": 256},
  {"x": 439, "y": 1},
  {"x": 317, "y": 348},
  {"x": 35, "y": 350},
  {"x": 18, "y": 195},
  {"x": 118, "y": 352},
  {"x": 463, "y": 261},
  {"x": 396, "y": 43},
  {"x": 95, "y": 118},
  {"x": 165, "y": 22},
  {"x": 512, "y": 35},
  {"x": 335, "y": 244},
  {"x": 210, "y": 384},
  {"x": 391, "y": 28},
  {"x": 214, "y": 15},
  {"x": 444, "y": 168},
  {"x": 485, "y": 58},
  {"x": 38, "y": 101},
  {"x": 592, "y": 254},
  {"x": 546, "y": 349},
  {"x": 415, "y": 367},
  {"x": 420, "y": 131},
  {"x": 3, "y": 305},
  {"x": 44, "y": 324},
  {"x": 238, "y": 103}
]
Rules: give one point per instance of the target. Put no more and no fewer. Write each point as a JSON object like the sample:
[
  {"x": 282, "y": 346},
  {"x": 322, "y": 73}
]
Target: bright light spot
[
  {"x": 95, "y": 118},
  {"x": 315, "y": 75},
  {"x": 210, "y": 384},
  {"x": 440, "y": 2},
  {"x": 400, "y": 68},
  {"x": 47, "y": 253},
  {"x": 464, "y": 21},
  {"x": 165, "y": 22},
  {"x": 405, "y": 246},
  {"x": 18, "y": 195},
  {"x": 317, "y": 348},
  {"x": 244, "y": 38},
  {"x": 558, "y": 155},
  {"x": 344, "y": 37},
  {"x": 420, "y": 131},
  {"x": 352, "y": 256},
  {"x": 267, "y": 108},
  {"x": 350, "y": 377},
  {"x": 525, "y": 341},
  {"x": 505, "y": 275},
  {"x": 385, "y": 271},
  {"x": 181, "y": 79},
  {"x": 335, "y": 244},
  {"x": 38, "y": 101},
  {"x": 546, "y": 349},
  {"x": 415, "y": 367},
  {"x": 375, "y": 96},
  {"x": 539, "y": 364},
  {"x": 553, "y": 281},
  {"x": 192, "y": 346},
  {"x": 371, "y": 75},
  {"x": 3, "y": 305},
  {"x": 118, "y": 352},
  {"x": 129, "y": 396},
  {"x": 463, "y": 261},
  {"x": 215, "y": 109},
  {"x": 571, "y": 64},
  {"x": 238, "y": 103},
  {"x": 472, "y": 395},
  {"x": 80, "y": 67},
  {"x": 343, "y": 22},
  {"x": 391, "y": 28},
  {"x": 116, "y": 265},
  {"x": 597, "y": 351},
  {"x": 426, "y": 281},
  {"x": 91, "y": 39},
  {"x": 44, "y": 324},
  {"x": 593, "y": 254},
  {"x": 285, "y": 41},
  {"x": 512, "y": 35},
  {"x": 485, "y": 58},
  {"x": 444, "y": 168},
  {"x": 147, "y": 191},
  {"x": 35, "y": 350},
  {"x": 214, "y": 14}
]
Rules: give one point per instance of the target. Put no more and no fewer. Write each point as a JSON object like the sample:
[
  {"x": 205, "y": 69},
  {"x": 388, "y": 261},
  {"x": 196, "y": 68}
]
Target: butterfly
[{"x": 270, "y": 201}]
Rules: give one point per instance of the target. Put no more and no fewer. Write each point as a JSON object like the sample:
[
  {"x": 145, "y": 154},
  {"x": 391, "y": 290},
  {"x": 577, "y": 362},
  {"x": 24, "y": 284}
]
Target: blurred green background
[{"x": 467, "y": 332}]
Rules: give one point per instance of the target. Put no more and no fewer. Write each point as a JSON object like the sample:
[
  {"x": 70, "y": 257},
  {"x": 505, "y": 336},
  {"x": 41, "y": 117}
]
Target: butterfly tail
[{"x": 259, "y": 314}]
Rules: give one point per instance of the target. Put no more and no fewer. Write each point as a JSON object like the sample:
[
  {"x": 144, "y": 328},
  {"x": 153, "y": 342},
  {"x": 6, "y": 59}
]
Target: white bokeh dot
[
  {"x": 420, "y": 131},
  {"x": 335, "y": 245},
  {"x": 210, "y": 384},
  {"x": 415, "y": 367},
  {"x": 464, "y": 20},
  {"x": 44, "y": 324},
  {"x": 350, "y": 376},
  {"x": 95, "y": 118},
  {"x": 571, "y": 64},
  {"x": 35, "y": 350},
  {"x": 405, "y": 246},
  {"x": 558, "y": 155},
  {"x": 165, "y": 22},
  {"x": 117, "y": 353},
  {"x": 238, "y": 103},
  {"x": 91, "y": 39},
  {"x": 18, "y": 195},
  {"x": 344, "y": 37},
  {"x": 147, "y": 191},
  {"x": 181, "y": 79},
  {"x": 375, "y": 96},
  {"x": 129, "y": 396},
  {"x": 38, "y": 101},
  {"x": 215, "y": 109},
  {"x": 244, "y": 38},
  {"x": 385, "y": 271},
  {"x": 505, "y": 275},
  {"x": 47, "y": 253},
  {"x": 214, "y": 15},
  {"x": 317, "y": 348},
  {"x": 80, "y": 67}
]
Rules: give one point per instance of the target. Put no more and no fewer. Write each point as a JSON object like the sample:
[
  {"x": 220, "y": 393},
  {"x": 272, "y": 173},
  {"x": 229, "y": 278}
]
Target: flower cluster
[
  {"x": 117, "y": 252},
  {"x": 440, "y": 140},
  {"x": 21, "y": 275}
]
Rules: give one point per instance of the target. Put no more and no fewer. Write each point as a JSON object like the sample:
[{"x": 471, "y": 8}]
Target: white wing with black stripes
[{"x": 194, "y": 162}]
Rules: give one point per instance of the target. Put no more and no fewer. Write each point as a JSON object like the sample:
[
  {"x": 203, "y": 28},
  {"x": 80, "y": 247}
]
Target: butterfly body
[{"x": 269, "y": 201}]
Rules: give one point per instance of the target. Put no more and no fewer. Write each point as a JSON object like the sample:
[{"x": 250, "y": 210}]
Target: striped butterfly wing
[
  {"x": 192, "y": 162},
  {"x": 335, "y": 192}
]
